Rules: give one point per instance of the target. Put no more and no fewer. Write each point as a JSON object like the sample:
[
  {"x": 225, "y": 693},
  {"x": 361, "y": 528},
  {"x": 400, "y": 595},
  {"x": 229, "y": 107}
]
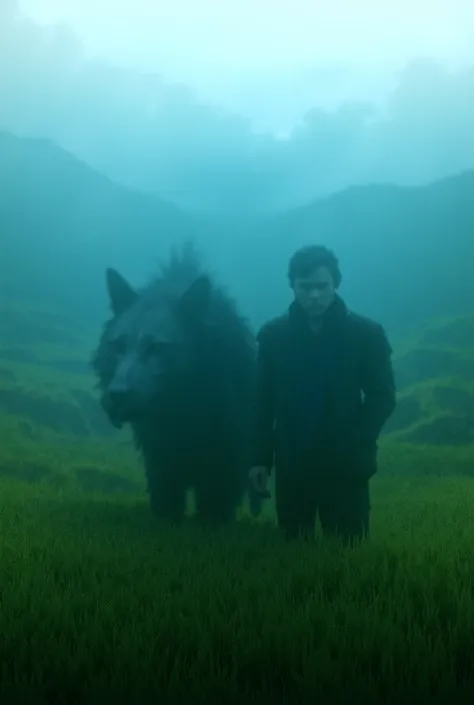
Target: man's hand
[{"x": 259, "y": 477}]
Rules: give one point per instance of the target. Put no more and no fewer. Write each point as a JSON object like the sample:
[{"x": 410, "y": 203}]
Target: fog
[{"x": 256, "y": 112}]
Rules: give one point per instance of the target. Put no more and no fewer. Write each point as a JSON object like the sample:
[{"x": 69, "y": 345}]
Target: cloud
[{"x": 162, "y": 137}]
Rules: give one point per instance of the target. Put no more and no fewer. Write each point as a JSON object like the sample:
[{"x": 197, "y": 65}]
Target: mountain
[
  {"x": 62, "y": 223},
  {"x": 407, "y": 257},
  {"x": 53, "y": 430},
  {"x": 406, "y": 253}
]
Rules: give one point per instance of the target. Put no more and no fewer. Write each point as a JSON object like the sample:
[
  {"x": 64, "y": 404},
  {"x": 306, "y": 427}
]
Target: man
[{"x": 325, "y": 390}]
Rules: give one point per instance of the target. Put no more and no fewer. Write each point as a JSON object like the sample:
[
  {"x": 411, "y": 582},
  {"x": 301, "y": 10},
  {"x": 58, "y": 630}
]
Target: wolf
[{"x": 177, "y": 361}]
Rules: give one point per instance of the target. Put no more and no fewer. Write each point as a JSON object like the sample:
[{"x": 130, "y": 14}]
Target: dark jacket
[{"x": 322, "y": 399}]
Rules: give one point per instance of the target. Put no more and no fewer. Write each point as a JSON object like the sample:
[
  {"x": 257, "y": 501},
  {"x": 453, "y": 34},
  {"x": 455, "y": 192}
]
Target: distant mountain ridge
[
  {"x": 407, "y": 254},
  {"x": 407, "y": 257}
]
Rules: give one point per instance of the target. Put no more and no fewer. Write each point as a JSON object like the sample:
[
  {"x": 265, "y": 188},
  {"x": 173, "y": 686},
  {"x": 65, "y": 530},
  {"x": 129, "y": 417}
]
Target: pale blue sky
[
  {"x": 291, "y": 66},
  {"x": 271, "y": 59}
]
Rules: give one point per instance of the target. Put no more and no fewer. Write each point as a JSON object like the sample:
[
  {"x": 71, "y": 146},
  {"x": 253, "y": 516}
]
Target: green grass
[{"x": 99, "y": 604}]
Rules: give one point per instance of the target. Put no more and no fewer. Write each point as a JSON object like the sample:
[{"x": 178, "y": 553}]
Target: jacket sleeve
[
  {"x": 262, "y": 450},
  {"x": 378, "y": 387}
]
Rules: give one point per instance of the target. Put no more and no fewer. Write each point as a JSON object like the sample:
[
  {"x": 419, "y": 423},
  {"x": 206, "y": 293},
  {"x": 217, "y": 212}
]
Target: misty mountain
[
  {"x": 62, "y": 223},
  {"x": 151, "y": 134},
  {"x": 406, "y": 254}
]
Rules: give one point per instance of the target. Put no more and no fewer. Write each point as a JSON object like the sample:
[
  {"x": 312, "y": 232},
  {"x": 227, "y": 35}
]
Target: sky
[
  {"x": 271, "y": 60},
  {"x": 245, "y": 106}
]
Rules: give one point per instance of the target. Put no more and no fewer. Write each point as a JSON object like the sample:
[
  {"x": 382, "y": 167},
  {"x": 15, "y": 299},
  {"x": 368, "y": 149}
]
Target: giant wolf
[{"x": 177, "y": 362}]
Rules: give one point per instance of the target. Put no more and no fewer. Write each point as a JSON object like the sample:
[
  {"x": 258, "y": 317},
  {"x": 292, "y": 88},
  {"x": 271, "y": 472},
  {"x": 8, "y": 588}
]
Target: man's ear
[{"x": 121, "y": 294}]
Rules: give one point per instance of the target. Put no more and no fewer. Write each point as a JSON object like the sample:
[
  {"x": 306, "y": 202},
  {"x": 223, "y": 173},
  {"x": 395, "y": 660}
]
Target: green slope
[{"x": 61, "y": 223}]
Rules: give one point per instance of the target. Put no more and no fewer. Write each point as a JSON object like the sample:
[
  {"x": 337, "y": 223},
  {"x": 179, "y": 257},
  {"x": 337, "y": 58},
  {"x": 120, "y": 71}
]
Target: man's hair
[{"x": 307, "y": 259}]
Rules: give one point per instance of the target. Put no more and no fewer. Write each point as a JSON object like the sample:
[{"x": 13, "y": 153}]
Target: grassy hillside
[
  {"x": 411, "y": 254},
  {"x": 51, "y": 426},
  {"x": 435, "y": 378},
  {"x": 432, "y": 429},
  {"x": 53, "y": 429},
  {"x": 99, "y": 603}
]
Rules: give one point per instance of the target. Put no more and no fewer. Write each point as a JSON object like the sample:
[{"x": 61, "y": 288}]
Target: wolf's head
[{"x": 148, "y": 345}]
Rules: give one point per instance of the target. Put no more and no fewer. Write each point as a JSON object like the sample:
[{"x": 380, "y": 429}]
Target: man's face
[{"x": 316, "y": 292}]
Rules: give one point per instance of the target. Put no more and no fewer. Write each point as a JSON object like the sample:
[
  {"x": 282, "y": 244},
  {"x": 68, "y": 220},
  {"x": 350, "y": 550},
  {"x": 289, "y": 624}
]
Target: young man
[{"x": 325, "y": 390}]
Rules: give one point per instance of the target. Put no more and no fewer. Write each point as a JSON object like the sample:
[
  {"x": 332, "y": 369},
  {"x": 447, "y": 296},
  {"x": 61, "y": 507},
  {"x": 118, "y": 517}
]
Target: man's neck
[{"x": 315, "y": 324}]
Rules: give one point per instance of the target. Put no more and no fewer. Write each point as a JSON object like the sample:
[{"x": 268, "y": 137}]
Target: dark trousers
[{"x": 342, "y": 505}]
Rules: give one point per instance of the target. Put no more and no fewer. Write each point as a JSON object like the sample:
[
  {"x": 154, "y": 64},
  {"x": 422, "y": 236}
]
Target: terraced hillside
[
  {"x": 435, "y": 376},
  {"x": 51, "y": 426}
]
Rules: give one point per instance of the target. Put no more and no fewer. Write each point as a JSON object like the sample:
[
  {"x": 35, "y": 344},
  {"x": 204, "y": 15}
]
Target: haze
[{"x": 191, "y": 99}]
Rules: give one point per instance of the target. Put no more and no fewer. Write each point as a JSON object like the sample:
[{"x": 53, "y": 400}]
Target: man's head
[{"x": 314, "y": 277}]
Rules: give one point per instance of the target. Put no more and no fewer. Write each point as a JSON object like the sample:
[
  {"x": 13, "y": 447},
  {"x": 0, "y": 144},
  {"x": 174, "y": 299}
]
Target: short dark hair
[{"x": 305, "y": 260}]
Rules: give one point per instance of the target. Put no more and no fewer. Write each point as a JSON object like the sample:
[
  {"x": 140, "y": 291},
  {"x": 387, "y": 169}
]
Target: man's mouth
[{"x": 315, "y": 308}]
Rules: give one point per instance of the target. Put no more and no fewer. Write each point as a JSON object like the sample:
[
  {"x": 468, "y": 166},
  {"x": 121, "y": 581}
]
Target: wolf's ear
[
  {"x": 120, "y": 292},
  {"x": 195, "y": 300}
]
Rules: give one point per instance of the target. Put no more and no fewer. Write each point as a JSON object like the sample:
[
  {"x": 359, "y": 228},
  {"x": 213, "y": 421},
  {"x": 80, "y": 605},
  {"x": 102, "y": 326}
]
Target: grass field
[{"x": 99, "y": 604}]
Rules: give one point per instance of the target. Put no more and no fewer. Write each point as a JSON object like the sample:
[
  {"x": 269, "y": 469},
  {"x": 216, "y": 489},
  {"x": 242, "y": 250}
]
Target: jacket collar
[{"x": 333, "y": 318}]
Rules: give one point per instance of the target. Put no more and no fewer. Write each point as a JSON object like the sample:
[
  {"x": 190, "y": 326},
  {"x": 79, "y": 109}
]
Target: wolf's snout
[
  {"x": 118, "y": 405},
  {"x": 119, "y": 399}
]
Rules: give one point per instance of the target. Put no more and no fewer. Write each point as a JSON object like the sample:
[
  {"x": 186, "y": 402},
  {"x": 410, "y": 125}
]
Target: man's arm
[
  {"x": 264, "y": 410},
  {"x": 378, "y": 386}
]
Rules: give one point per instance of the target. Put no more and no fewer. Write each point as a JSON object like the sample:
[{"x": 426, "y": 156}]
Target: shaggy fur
[{"x": 178, "y": 362}]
